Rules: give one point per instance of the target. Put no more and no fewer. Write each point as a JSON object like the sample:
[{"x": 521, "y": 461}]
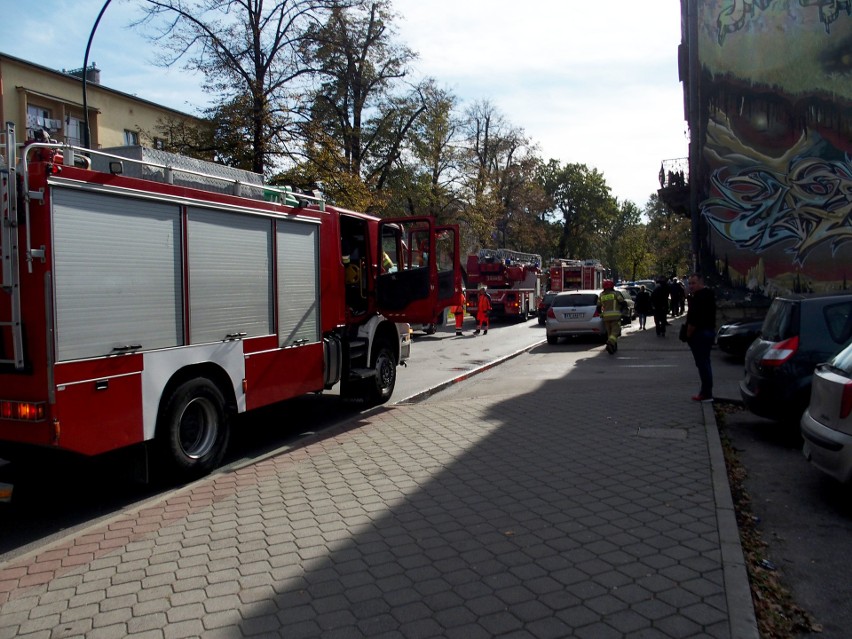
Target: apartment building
[{"x": 36, "y": 97}]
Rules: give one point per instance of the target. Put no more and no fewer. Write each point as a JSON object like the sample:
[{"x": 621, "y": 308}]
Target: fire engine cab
[
  {"x": 513, "y": 280},
  {"x": 147, "y": 299}
]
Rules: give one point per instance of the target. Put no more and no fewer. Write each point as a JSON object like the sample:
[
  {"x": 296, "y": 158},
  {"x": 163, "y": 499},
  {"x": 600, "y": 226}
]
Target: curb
[{"x": 743, "y": 622}]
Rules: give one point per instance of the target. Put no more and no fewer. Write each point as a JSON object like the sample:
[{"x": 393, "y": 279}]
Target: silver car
[
  {"x": 574, "y": 313},
  {"x": 827, "y": 422}
]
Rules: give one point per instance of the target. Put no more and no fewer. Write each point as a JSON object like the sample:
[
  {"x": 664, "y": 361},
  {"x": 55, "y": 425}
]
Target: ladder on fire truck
[
  {"x": 508, "y": 257},
  {"x": 9, "y": 262}
]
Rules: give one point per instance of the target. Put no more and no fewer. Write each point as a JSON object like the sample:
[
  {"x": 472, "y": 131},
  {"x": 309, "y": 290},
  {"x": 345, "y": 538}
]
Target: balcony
[{"x": 674, "y": 185}]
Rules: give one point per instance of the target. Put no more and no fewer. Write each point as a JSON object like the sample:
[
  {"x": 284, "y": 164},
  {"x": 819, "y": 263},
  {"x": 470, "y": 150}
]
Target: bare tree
[
  {"x": 248, "y": 52},
  {"x": 362, "y": 113}
]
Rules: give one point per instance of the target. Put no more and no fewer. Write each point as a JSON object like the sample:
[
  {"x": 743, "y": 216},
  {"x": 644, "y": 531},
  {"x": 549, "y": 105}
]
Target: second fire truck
[
  {"x": 513, "y": 280},
  {"x": 145, "y": 302},
  {"x": 568, "y": 275}
]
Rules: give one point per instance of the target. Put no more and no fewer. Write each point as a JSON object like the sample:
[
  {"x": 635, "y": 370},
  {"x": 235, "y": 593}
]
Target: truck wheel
[
  {"x": 431, "y": 329},
  {"x": 193, "y": 430},
  {"x": 380, "y": 388}
]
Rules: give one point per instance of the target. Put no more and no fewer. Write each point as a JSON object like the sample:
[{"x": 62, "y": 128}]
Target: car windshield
[
  {"x": 549, "y": 297},
  {"x": 843, "y": 360},
  {"x": 838, "y": 319},
  {"x": 780, "y": 321},
  {"x": 576, "y": 299}
]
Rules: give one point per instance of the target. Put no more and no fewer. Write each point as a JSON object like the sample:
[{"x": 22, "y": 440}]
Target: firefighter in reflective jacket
[
  {"x": 483, "y": 307},
  {"x": 458, "y": 311},
  {"x": 611, "y": 303}
]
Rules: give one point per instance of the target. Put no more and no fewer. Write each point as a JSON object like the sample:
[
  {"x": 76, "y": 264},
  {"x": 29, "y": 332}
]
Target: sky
[{"x": 589, "y": 82}]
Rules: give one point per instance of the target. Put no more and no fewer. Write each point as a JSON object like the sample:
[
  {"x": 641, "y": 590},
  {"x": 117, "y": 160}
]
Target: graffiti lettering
[
  {"x": 738, "y": 13},
  {"x": 809, "y": 206},
  {"x": 829, "y": 10}
]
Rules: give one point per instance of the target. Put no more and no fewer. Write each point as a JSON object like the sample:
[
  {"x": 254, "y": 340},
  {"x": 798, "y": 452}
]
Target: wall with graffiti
[{"x": 776, "y": 161}]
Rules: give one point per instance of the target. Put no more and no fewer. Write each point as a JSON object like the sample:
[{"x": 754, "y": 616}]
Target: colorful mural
[{"x": 777, "y": 145}]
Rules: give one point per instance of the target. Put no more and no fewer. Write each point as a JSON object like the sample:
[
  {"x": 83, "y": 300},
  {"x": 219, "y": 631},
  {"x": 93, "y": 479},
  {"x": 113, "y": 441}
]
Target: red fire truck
[
  {"x": 144, "y": 302},
  {"x": 513, "y": 281},
  {"x": 567, "y": 275}
]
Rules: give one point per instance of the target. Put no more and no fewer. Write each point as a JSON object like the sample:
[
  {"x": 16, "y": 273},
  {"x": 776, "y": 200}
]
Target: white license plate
[{"x": 573, "y": 315}]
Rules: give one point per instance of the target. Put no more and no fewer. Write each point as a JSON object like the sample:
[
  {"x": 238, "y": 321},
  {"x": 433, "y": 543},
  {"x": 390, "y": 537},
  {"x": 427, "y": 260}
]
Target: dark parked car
[
  {"x": 797, "y": 334},
  {"x": 544, "y": 306},
  {"x": 735, "y": 337}
]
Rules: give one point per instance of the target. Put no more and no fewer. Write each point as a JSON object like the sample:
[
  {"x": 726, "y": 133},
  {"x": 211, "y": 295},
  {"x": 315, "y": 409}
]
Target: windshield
[
  {"x": 576, "y": 299},
  {"x": 781, "y": 320},
  {"x": 843, "y": 360}
]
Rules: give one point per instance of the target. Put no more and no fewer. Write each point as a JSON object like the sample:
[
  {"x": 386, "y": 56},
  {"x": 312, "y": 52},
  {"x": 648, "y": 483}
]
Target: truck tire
[
  {"x": 193, "y": 430},
  {"x": 380, "y": 388}
]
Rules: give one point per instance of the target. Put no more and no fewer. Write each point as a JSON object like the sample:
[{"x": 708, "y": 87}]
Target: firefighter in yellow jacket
[{"x": 611, "y": 303}]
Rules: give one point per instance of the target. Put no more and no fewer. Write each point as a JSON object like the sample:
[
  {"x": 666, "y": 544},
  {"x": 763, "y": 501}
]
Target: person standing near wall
[{"x": 700, "y": 332}]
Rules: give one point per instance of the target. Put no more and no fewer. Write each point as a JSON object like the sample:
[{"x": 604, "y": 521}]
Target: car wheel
[{"x": 552, "y": 339}]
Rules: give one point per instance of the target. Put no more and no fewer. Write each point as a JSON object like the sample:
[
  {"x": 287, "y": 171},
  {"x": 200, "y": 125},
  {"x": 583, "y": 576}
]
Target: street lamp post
[{"x": 87, "y": 136}]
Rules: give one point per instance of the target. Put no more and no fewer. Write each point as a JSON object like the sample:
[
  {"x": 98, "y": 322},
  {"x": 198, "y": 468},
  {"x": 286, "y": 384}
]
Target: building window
[
  {"x": 74, "y": 131},
  {"x": 131, "y": 138},
  {"x": 40, "y": 118},
  {"x": 159, "y": 144}
]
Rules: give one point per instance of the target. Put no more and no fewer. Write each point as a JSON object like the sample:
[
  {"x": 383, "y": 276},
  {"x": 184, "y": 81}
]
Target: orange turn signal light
[{"x": 22, "y": 411}]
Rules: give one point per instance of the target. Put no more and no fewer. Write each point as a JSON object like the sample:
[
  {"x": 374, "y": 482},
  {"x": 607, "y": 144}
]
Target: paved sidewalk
[{"x": 526, "y": 502}]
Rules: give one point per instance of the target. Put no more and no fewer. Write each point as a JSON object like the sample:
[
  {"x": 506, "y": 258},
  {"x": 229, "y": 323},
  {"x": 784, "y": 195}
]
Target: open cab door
[{"x": 420, "y": 271}]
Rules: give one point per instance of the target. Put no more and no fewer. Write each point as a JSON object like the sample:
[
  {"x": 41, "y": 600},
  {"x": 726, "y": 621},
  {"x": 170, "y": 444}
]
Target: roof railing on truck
[{"x": 171, "y": 168}]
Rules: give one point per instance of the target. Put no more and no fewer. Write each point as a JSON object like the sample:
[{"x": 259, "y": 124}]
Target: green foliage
[{"x": 669, "y": 239}]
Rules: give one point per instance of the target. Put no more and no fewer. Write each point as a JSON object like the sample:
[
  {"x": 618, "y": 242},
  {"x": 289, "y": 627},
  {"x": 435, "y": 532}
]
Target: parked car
[
  {"x": 827, "y": 422},
  {"x": 432, "y": 327},
  {"x": 628, "y": 314},
  {"x": 735, "y": 337},
  {"x": 797, "y": 334},
  {"x": 650, "y": 285},
  {"x": 544, "y": 306},
  {"x": 574, "y": 313}
]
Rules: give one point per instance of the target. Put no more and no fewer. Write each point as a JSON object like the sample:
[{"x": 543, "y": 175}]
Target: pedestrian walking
[
  {"x": 458, "y": 311},
  {"x": 700, "y": 332},
  {"x": 644, "y": 307},
  {"x": 483, "y": 307},
  {"x": 677, "y": 294},
  {"x": 660, "y": 302},
  {"x": 611, "y": 304}
]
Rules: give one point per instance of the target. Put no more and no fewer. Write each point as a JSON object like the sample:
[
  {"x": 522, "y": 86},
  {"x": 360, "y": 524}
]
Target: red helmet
[{"x": 608, "y": 284}]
